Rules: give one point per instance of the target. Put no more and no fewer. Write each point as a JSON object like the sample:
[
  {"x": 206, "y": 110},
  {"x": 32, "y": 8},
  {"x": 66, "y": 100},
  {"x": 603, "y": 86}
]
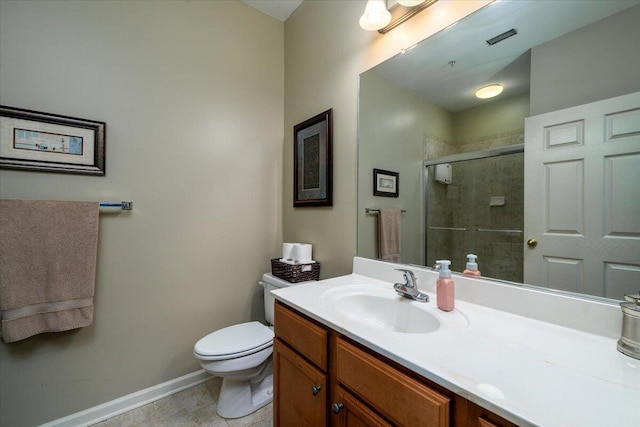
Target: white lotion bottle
[{"x": 472, "y": 266}]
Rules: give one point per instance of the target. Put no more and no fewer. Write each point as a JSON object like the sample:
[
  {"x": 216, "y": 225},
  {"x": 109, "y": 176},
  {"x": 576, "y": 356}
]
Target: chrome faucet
[{"x": 409, "y": 289}]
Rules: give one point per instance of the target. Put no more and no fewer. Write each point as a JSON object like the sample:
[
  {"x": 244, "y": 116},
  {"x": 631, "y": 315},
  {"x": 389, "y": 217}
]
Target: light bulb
[{"x": 375, "y": 15}]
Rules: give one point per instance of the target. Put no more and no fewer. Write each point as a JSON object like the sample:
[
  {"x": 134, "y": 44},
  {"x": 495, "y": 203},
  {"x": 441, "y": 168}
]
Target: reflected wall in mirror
[{"x": 418, "y": 109}]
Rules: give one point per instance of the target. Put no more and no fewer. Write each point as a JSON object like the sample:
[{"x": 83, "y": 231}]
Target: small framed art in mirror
[
  {"x": 312, "y": 162},
  {"x": 386, "y": 183}
]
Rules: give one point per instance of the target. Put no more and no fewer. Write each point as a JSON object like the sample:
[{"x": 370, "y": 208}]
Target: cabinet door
[
  {"x": 348, "y": 411},
  {"x": 485, "y": 423},
  {"x": 480, "y": 417},
  {"x": 392, "y": 393},
  {"x": 300, "y": 390}
]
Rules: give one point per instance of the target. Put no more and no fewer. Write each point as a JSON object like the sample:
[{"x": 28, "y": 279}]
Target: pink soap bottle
[
  {"x": 472, "y": 266},
  {"x": 444, "y": 286}
]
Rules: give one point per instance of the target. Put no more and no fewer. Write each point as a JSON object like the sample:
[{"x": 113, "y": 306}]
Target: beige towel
[
  {"x": 48, "y": 255},
  {"x": 389, "y": 234}
]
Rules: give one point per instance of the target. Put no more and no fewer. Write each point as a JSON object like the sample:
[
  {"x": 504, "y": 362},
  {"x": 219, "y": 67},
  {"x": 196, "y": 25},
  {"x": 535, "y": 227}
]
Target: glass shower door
[{"x": 482, "y": 212}]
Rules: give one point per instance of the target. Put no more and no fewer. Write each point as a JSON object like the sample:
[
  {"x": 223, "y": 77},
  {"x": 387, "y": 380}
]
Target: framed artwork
[
  {"x": 386, "y": 183},
  {"x": 312, "y": 162},
  {"x": 36, "y": 141}
]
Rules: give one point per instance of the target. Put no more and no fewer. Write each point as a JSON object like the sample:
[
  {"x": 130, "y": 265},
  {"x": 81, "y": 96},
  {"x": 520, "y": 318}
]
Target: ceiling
[
  {"x": 426, "y": 70},
  {"x": 279, "y": 9},
  {"x": 448, "y": 67}
]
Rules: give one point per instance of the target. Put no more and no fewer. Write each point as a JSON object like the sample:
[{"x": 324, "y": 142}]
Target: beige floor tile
[
  {"x": 184, "y": 402},
  {"x": 263, "y": 417},
  {"x": 143, "y": 416},
  {"x": 200, "y": 417},
  {"x": 194, "y": 407}
]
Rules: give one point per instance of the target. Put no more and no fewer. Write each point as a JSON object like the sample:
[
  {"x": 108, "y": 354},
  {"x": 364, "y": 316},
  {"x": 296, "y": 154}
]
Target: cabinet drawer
[
  {"x": 302, "y": 334},
  {"x": 399, "y": 397}
]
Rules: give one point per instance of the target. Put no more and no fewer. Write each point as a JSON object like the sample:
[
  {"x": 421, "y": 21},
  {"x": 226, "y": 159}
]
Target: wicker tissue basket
[{"x": 294, "y": 273}]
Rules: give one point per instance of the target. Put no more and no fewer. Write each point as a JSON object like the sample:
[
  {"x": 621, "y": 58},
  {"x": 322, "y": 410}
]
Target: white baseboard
[{"x": 131, "y": 401}]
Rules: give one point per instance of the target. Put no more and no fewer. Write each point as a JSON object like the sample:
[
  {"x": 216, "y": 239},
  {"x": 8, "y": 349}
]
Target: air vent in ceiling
[{"x": 500, "y": 37}]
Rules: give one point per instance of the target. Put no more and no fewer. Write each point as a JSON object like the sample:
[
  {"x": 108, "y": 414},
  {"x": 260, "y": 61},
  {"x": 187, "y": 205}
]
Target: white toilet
[{"x": 241, "y": 355}]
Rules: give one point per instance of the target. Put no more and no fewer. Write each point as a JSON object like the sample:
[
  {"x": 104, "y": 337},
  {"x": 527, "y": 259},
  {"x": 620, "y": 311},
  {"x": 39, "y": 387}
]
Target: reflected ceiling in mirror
[
  {"x": 414, "y": 104},
  {"x": 448, "y": 67}
]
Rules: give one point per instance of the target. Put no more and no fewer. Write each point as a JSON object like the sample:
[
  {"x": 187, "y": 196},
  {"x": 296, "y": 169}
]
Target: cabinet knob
[
  {"x": 315, "y": 389},
  {"x": 336, "y": 407},
  {"x": 532, "y": 243}
]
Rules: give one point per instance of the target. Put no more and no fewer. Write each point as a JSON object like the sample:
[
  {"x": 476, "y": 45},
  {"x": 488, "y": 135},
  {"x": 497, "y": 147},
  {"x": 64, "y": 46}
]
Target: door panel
[
  {"x": 564, "y": 204},
  {"x": 582, "y": 198},
  {"x": 621, "y": 210}
]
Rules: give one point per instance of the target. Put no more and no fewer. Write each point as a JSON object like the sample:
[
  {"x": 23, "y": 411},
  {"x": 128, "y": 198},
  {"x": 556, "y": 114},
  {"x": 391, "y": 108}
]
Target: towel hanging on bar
[
  {"x": 47, "y": 266},
  {"x": 389, "y": 234}
]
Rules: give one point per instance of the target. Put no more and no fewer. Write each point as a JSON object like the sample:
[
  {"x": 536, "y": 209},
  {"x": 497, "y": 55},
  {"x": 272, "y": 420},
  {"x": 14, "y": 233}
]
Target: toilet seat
[{"x": 234, "y": 341}]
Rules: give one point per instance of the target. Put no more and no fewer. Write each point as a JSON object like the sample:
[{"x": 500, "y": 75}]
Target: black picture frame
[
  {"x": 313, "y": 161},
  {"x": 36, "y": 141},
  {"x": 386, "y": 183}
]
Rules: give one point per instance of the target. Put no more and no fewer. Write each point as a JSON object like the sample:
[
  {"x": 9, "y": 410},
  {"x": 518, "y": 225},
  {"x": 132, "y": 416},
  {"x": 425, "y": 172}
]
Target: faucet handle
[{"x": 409, "y": 277}]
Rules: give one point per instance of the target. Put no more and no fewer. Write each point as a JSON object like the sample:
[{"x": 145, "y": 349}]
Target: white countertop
[{"x": 531, "y": 372}]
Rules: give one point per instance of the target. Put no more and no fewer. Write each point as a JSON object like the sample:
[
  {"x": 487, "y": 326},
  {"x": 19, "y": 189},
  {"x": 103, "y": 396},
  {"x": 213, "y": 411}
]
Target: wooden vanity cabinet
[
  {"x": 322, "y": 378},
  {"x": 300, "y": 380}
]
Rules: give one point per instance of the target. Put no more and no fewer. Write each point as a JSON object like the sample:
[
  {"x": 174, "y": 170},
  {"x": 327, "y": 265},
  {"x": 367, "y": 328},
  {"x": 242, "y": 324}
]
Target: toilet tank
[{"x": 270, "y": 283}]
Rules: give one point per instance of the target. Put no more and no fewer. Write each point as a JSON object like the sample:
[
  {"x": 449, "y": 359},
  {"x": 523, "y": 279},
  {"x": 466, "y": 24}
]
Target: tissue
[
  {"x": 297, "y": 253},
  {"x": 287, "y": 251},
  {"x": 302, "y": 252}
]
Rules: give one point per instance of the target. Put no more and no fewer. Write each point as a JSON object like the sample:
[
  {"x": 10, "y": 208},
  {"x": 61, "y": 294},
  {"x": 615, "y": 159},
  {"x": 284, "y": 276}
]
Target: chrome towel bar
[
  {"x": 377, "y": 211},
  {"x": 125, "y": 206}
]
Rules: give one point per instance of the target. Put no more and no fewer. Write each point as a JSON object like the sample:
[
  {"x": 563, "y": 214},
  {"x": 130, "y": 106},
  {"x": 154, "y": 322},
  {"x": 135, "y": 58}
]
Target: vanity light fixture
[
  {"x": 489, "y": 91},
  {"x": 376, "y": 16}
]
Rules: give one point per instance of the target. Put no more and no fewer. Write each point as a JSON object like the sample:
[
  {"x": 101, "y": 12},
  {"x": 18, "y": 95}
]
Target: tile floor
[{"x": 192, "y": 407}]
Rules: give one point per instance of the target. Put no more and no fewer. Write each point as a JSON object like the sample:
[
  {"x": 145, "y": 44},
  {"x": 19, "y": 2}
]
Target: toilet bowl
[{"x": 241, "y": 355}]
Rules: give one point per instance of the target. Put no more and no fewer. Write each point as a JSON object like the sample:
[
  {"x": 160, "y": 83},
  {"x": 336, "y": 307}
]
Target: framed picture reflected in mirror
[{"x": 386, "y": 183}]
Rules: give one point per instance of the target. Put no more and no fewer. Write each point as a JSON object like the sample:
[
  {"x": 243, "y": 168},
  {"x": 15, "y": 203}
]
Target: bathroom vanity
[
  {"x": 350, "y": 352},
  {"x": 315, "y": 365}
]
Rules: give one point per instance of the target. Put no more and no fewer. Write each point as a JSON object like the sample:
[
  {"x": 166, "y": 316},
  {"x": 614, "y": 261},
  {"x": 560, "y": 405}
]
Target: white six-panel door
[{"x": 582, "y": 198}]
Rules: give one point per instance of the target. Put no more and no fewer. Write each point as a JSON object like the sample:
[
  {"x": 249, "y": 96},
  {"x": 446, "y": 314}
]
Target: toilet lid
[{"x": 232, "y": 340}]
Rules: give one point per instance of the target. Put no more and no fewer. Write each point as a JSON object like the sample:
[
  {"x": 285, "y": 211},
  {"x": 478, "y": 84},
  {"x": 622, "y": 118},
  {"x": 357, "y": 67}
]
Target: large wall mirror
[{"x": 541, "y": 181}]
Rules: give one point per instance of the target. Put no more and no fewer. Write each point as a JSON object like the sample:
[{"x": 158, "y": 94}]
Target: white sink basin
[{"x": 382, "y": 308}]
